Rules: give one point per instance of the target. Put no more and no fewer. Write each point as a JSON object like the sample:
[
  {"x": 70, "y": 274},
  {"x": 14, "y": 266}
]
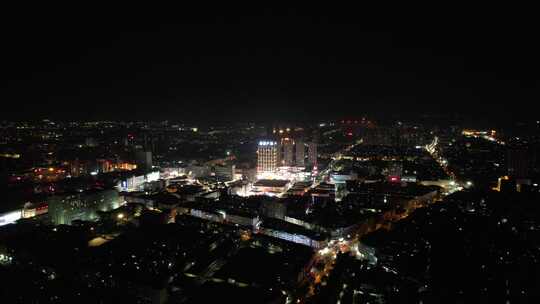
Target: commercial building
[
  {"x": 143, "y": 159},
  {"x": 267, "y": 157},
  {"x": 342, "y": 177},
  {"x": 135, "y": 182},
  {"x": 64, "y": 209},
  {"x": 312, "y": 154},
  {"x": 224, "y": 172},
  {"x": 288, "y": 155},
  {"x": 299, "y": 188},
  {"x": 30, "y": 210},
  {"x": 271, "y": 186},
  {"x": 300, "y": 153}
]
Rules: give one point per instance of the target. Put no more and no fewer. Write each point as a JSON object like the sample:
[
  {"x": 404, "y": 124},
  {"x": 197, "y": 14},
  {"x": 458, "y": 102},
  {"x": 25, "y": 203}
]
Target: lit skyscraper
[
  {"x": 312, "y": 154},
  {"x": 144, "y": 159},
  {"x": 300, "y": 153},
  {"x": 288, "y": 155},
  {"x": 267, "y": 157}
]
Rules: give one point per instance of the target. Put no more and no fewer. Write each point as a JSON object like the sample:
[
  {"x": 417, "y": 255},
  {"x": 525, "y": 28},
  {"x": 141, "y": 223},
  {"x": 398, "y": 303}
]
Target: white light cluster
[
  {"x": 292, "y": 174},
  {"x": 10, "y": 217},
  {"x": 267, "y": 143}
]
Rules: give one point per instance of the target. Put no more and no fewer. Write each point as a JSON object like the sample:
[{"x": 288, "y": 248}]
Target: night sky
[{"x": 261, "y": 64}]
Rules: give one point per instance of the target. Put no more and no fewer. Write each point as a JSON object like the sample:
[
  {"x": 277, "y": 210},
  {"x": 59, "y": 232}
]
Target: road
[
  {"x": 326, "y": 256},
  {"x": 454, "y": 185},
  {"x": 324, "y": 175},
  {"x": 321, "y": 264}
]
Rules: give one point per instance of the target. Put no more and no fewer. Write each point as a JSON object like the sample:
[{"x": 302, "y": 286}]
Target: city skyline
[{"x": 293, "y": 155}]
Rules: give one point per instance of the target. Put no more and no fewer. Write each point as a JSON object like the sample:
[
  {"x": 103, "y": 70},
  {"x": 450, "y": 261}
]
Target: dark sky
[{"x": 264, "y": 64}]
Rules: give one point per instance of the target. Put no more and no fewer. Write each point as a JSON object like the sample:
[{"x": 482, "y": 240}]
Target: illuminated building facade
[
  {"x": 136, "y": 182},
  {"x": 312, "y": 154},
  {"x": 30, "y": 210},
  {"x": 224, "y": 172},
  {"x": 50, "y": 174},
  {"x": 267, "y": 157},
  {"x": 124, "y": 166},
  {"x": 76, "y": 167},
  {"x": 270, "y": 186},
  {"x": 300, "y": 153},
  {"x": 288, "y": 155},
  {"x": 63, "y": 209}
]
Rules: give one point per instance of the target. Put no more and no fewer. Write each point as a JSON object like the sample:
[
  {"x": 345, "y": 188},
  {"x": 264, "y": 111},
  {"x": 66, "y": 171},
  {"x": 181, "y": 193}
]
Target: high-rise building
[
  {"x": 300, "y": 152},
  {"x": 518, "y": 162},
  {"x": 224, "y": 172},
  {"x": 65, "y": 208},
  {"x": 267, "y": 156},
  {"x": 312, "y": 154},
  {"x": 288, "y": 155},
  {"x": 143, "y": 159}
]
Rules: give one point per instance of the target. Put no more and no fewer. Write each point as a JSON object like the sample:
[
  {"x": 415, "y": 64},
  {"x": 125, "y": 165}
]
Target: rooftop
[{"x": 271, "y": 183}]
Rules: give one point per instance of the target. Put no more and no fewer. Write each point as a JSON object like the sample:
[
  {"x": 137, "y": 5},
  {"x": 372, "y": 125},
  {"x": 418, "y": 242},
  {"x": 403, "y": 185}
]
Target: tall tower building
[
  {"x": 267, "y": 156},
  {"x": 300, "y": 152},
  {"x": 143, "y": 159},
  {"x": 288, "y": 155},
  {"x": 312, "y": 154},
  {"x": 518, "y": 162}
]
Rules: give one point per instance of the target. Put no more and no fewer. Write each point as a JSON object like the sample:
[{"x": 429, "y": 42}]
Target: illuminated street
[{"x": 323, "y": 260}]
